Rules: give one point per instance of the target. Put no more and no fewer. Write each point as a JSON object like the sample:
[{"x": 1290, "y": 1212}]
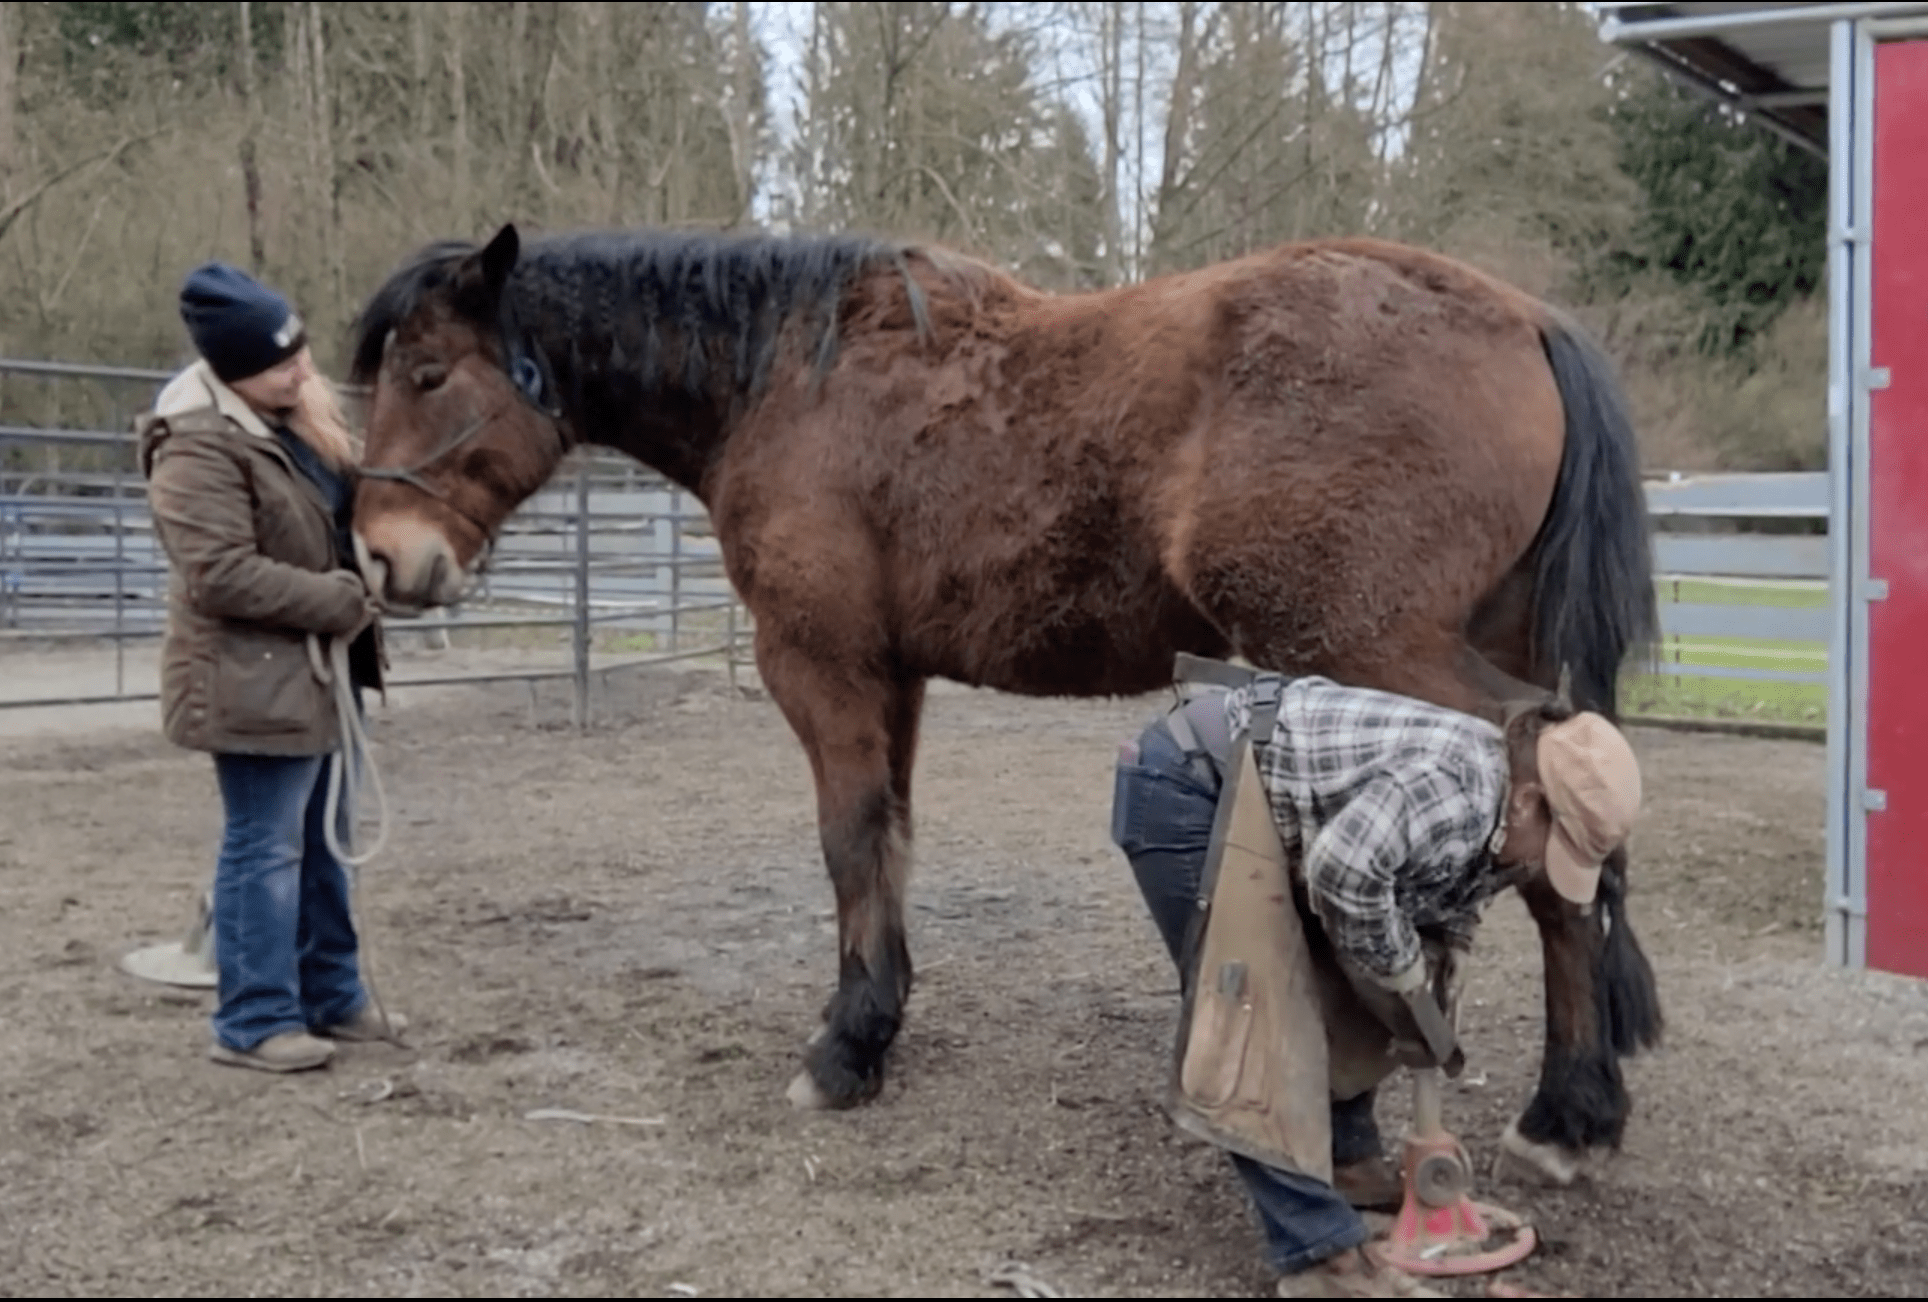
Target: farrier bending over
[
  {"x": 1404, "y": 819},
  {"x": 250, "y": 472}
]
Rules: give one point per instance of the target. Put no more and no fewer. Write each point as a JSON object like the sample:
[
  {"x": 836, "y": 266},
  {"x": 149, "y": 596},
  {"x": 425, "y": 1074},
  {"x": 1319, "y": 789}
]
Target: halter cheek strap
[
  {"x": 412, "y": 475},
  {"x": 529, "y": 371}
]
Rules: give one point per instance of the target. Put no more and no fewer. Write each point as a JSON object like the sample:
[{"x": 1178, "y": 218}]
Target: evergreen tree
[{"x": 1731, "y": 213}]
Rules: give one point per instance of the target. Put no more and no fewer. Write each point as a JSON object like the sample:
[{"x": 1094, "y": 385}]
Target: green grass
[
  {"x": 629, "y": 643},
  {"x": 1729, "y": 698},
  {"x": 1725, "y": 699},
  {"x": 1717, "y": 592}
]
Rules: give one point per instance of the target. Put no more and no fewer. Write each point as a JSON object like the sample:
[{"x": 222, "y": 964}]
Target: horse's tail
[
  {"x": 1593, "y": 589},
  {"x": 1593, "y": 608}
]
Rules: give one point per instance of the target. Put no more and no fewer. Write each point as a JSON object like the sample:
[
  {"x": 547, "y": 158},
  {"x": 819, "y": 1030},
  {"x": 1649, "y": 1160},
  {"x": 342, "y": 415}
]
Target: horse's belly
[{"x": 1093, "y": 643}]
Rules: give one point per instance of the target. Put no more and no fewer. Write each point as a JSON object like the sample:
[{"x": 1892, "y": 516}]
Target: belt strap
[
  {"x": 1197, "y": 755},
  {"x": 1265, "y": 694},
  {"x": 1188, "y": 668}
]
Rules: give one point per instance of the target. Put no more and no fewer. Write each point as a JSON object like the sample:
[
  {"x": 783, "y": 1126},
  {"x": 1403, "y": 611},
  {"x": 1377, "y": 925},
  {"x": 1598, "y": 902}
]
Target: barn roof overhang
[{"x": 1769, "y": 61}]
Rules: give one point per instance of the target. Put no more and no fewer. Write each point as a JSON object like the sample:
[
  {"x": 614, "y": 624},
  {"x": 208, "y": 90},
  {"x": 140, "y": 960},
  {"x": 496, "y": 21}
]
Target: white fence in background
[{"x": 619, "y": 557}]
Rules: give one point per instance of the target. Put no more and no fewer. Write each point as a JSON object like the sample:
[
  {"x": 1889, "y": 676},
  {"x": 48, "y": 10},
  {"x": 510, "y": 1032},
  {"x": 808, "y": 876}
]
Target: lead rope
[{"x": 354, "y": 768}]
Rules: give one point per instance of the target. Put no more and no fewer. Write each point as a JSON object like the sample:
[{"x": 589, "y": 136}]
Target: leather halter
[{"x": 529, "y": 372}]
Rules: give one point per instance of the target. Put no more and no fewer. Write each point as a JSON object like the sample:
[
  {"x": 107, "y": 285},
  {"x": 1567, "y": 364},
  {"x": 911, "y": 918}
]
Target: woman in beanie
[{"x": 250, "y": 470}]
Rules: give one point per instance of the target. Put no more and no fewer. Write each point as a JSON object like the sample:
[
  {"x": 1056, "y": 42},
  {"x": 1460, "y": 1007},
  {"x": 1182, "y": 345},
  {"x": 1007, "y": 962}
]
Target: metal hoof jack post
[
  {"x": 1439, "y": 1230},
  {"x": 186, "y": 962}
]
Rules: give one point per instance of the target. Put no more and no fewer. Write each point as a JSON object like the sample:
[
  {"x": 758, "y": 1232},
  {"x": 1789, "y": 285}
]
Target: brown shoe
[
  {"x": 1359, "y": 1272},
  {"x": 1371, "y": 1184},
  {"x": 289, "y": 1051},
  {"x": 365, "y": 1027}
]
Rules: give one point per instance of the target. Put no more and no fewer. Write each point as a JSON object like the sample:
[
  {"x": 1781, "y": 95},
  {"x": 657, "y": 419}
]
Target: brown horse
[{"x": 1344, "y": 457}]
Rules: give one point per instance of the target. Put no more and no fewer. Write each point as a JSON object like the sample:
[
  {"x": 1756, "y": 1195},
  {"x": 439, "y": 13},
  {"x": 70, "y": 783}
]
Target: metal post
[
  {"x": 1861, "y": 329},
  {"x": 729, "y": 644},
  {"x": 120, "y": 577},
  {"x": 120, "y": 567},
  {"x": 581, "y": 629},
  {"x": 676, "y": 570},
  {"x": 8, "y": 604},
  {"x": 1838, "y": 900}
]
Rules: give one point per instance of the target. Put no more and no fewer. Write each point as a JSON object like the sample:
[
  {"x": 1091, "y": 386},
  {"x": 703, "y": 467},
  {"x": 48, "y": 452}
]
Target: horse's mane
[{"x": 655, "y": 296}]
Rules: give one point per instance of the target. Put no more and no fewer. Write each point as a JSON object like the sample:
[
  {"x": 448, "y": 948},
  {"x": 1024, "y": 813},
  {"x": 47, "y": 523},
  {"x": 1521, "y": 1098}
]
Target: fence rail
[
  {"x": 624, "y": 559},
  {"x": 1741, "y": 604},
  {"x": 610, "y": 552}
]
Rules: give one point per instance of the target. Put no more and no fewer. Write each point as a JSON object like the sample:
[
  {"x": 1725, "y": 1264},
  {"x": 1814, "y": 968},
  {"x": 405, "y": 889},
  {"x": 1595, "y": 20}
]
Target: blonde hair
[{"x": 318, "y": 421}]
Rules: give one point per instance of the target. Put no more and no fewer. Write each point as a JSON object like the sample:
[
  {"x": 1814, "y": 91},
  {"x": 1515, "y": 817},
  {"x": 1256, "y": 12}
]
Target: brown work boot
[
  {"x": 365, "y": 1026},
  {"x": 1370, "y": 1184},
  {"x": 1358, "y": 1272},
  {"x": 289, "y": 1051}
]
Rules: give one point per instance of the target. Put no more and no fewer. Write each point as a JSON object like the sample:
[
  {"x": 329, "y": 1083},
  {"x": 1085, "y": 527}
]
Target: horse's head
[{"x": 463, "y": 422}]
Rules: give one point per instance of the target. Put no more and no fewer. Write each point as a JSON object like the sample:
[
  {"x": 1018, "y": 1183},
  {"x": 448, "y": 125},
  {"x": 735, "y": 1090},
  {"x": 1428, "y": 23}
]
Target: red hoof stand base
[{"x": 1440, "y": 1231}]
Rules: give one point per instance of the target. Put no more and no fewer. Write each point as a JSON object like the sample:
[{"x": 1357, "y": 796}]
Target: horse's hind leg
[{"x": 860, "y": 733}]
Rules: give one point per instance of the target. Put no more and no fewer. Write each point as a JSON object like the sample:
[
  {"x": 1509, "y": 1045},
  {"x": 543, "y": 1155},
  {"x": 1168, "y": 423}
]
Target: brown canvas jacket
[{"x": 253, "y": 573}]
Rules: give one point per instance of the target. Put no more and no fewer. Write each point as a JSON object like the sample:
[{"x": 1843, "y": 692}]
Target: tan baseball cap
[{"x": 1592, "y": 784}]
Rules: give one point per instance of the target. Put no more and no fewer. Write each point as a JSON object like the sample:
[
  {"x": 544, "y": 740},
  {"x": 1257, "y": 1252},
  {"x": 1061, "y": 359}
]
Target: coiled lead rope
[{"x": 351, "y": 768}]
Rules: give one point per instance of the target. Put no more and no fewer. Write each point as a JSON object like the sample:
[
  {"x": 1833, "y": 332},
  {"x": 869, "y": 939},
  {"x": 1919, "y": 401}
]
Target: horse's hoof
[
  {"x": 1537, "y": 1163},
  {"x": 806, "y": 1096}
]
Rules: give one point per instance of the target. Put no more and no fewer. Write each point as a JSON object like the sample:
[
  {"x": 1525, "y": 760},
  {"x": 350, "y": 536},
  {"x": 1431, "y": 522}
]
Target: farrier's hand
[
  {"x": 1404, "y": 983},
  {"x": 1404, "y": 1002}
]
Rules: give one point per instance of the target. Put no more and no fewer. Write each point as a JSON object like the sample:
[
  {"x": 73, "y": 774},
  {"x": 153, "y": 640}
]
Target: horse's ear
[
  {"x": 498, "y": 258},
  {"x": 481, "y": 276}
]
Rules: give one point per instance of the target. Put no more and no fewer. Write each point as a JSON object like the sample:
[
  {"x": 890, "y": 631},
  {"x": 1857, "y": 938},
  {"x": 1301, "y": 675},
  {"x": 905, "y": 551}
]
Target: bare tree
[
  {"x": 455, "y": 27},
  {"x": 9, "y": 65},
  {"x": 250, "y": 166},
  {"x": 928, "y": 120}
]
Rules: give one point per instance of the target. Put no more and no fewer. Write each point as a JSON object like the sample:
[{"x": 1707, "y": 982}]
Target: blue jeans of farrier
[
  {"x": 1162, "y": 815},
  {"x": 284, "y": 938}
]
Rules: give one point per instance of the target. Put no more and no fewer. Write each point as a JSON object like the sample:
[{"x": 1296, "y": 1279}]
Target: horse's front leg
[{"x": 860, "y": 732}]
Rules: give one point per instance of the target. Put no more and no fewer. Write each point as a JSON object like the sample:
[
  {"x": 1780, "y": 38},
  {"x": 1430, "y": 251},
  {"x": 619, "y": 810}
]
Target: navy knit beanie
[{"x": 237, "y": 323}]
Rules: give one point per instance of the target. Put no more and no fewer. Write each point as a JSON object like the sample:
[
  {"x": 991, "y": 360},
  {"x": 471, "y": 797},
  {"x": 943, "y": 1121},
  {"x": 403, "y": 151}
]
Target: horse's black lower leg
[
  {"x": 1581, "y": 1102},
  {"x": 861, "y": 745},
  {"x": 866, "y": 858}
]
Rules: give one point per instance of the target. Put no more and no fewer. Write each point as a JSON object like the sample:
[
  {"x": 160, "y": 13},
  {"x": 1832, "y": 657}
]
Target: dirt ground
[{"x": 634, "y": 924}]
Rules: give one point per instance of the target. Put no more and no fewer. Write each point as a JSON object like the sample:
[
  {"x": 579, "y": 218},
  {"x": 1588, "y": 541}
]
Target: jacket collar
[{"x": 198, "y": 388}]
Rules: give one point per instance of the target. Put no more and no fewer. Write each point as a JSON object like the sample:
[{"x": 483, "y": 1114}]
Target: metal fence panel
[
  {"x": 78, "y": 556},
  {"x": 1747, "y": 672},
  {"x": 1779, "y": 623},
  {"x": 1798, "y": 495},
  {"x": 1742, "y": 556}
]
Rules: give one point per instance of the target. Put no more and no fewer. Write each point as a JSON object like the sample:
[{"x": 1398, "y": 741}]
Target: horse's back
[
  {"x": 1381, "y": 452},
  {"x": 1052, "y": 493}
]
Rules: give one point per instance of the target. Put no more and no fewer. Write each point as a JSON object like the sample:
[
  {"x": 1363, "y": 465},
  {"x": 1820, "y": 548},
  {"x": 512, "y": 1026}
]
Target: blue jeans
[
  {"x": 1161, "y": 817},
  {"x": 284, "y": 939}
]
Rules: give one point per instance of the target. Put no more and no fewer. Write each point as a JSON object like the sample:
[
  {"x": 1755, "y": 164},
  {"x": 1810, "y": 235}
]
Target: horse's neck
[
  {"x": 682, "y": 450},
  {"x": 662, "y": 426}
]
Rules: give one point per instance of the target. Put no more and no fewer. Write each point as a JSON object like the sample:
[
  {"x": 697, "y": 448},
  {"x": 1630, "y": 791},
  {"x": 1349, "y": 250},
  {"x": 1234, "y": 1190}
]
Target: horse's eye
[{"x": 429, "y": 378}]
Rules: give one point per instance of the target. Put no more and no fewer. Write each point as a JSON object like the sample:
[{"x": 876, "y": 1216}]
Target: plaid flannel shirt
[{"x": 1391, "y": 806}]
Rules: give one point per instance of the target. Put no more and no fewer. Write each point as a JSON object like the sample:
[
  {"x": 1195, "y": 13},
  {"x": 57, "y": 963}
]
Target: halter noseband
[{"x": 529, "y": 372}]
